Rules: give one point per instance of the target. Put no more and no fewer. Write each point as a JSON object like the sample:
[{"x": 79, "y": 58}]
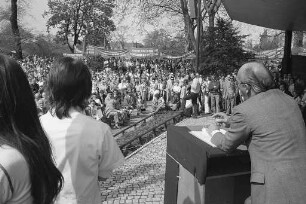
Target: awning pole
[{"x": 286, "y": 62}]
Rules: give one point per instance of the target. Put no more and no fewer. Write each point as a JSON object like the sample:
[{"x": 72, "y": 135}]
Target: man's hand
[
  {"x": 221, "y": 118},
  {"x": 212, "y": 127}
]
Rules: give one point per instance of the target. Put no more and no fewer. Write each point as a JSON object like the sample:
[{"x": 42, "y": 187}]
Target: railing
[
  {"x": 142, "y": 121},
  {"x": 145, "y": 126}
]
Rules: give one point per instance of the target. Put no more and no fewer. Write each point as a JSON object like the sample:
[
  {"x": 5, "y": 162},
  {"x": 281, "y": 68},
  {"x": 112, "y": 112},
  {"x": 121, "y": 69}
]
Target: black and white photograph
[{"x": 152, "y": 102}]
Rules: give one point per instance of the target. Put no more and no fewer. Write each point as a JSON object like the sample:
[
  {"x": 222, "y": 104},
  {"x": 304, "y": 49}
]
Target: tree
[
  {"x": 120, "y": 35},
  {"x": 81, "y": 18},
  {"x": 211, "y": 7},
  {"x": 15, "y": 29},
  {"x": 11, "y": 12},
  {"x": 298, "y": 39},
  {"x": 269, "y": 42},
  {"x": 223, "y": 51},
  {"x": 153, "y": 10},
  {"x": 164, "y": 42}
]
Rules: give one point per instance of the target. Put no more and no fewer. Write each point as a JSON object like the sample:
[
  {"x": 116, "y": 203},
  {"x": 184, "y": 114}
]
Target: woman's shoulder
[
  {"x": 10, "y": 156},
  {"x": 16, "y": 168}
]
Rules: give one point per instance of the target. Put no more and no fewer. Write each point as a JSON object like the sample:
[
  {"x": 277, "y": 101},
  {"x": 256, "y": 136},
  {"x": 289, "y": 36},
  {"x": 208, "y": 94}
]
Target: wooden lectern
[{"x": 197, "y": 173}]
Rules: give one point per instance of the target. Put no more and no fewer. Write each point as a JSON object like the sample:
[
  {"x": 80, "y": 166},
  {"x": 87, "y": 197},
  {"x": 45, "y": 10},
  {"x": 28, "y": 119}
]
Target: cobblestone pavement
[{"x": 141, "y": 178}]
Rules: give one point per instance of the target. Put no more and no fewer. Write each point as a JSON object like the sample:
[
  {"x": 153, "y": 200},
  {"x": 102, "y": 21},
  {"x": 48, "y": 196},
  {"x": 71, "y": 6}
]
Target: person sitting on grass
[
  {"x": 129, "y": 102},
  {"x": 110, "y": 109},
  {"x": 174, "y": 102},
  {"x": 158, "y": 102},
  {"x": 94, "y": 110}
]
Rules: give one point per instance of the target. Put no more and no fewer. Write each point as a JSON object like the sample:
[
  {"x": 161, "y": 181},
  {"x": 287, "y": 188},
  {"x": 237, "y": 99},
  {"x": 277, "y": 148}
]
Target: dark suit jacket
[{"x": 271, "y": 124}]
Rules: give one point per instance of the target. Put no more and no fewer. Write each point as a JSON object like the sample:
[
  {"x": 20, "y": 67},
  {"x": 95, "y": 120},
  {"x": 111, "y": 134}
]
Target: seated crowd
[
  {"x": 127, "y": 87},
  {"x": 61, "y": 156}
]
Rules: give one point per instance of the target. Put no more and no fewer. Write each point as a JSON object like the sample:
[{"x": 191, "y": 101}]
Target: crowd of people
[
  {"x": 129, "y": 87},
  {"x": 84, "y": 151}
]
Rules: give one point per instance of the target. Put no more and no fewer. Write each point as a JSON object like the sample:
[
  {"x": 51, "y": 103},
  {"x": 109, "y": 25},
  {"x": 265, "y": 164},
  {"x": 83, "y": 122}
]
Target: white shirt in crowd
[
  {"x": 84, "y": 149},
  {"x": 176, "y": 88},
  {"x": 195, "y": 85}
]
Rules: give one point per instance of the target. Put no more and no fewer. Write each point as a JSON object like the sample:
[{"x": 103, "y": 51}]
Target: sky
[{"x": 35, "y": 21}]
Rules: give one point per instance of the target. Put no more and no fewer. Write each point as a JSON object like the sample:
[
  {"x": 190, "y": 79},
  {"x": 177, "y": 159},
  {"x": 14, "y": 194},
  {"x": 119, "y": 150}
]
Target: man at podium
[{"x": 270, "y": 123}]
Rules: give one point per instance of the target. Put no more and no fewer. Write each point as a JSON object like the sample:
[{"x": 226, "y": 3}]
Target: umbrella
[{"x": 275, "y": 14}]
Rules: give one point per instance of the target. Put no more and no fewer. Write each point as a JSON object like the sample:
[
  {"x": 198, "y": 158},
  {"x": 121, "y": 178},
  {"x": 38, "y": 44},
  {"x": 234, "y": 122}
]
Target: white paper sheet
[{"x": 205, "y": 136}]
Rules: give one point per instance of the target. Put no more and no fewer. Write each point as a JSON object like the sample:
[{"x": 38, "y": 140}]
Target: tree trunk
[
  {"x": 15, "y": 29},
  {"x": 71, "y": 48},
  {"x": 211, "y": 20},
  {"x": 84, "y": 45},
  {"x": 189, "y": 31}
]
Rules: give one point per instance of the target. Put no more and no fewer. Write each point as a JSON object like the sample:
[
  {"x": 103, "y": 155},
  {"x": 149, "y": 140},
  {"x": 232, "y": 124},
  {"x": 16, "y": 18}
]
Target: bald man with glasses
[{"x": 270, "y": 123}]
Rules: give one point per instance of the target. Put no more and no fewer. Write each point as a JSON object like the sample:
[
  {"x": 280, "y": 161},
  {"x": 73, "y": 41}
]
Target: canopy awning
[{"x": 275, "y": 14}]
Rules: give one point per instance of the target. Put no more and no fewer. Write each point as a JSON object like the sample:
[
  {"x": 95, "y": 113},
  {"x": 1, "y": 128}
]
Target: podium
[{"x": 197, "y": 173}]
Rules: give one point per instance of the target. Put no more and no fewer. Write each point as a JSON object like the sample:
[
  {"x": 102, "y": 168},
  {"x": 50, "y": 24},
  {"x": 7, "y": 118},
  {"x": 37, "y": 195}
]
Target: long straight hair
[{"x": 20, "y": 128}]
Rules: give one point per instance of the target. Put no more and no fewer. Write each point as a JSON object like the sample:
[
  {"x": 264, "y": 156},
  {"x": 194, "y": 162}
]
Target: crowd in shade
[{"x": 126, "y": 87}]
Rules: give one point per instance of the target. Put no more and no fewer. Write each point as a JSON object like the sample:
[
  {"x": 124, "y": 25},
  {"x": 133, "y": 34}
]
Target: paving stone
[{"x": 142, "y": 178}]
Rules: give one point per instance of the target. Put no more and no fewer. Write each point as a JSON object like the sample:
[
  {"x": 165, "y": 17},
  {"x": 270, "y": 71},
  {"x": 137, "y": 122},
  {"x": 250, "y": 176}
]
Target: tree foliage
[
  {"x": 12, "y": 11},
  {"x": 222, "y": 48},
  {"x": 31, "y": 45},
  {"x": 120, "y": 35},
  {"x": 152, "y": 10},
  {"x": 165, "y": 43},
  {"x": 269, "y": 41},
  {"x": 78, "y": 18}
]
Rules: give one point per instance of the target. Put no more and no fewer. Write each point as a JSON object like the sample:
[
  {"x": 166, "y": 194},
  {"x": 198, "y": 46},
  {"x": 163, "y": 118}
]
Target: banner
[
  {"x": 92, "y": 50},
  {"x": 144, "y": 52},
  {"x": 189, "y": 55},
  {"x": 74, "y": 56}
]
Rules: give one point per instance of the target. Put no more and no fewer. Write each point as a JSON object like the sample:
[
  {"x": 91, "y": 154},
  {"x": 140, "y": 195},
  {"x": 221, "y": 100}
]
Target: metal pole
[
  {"x": 286, "y": 63},
  {"x": 199, "y": 19}
]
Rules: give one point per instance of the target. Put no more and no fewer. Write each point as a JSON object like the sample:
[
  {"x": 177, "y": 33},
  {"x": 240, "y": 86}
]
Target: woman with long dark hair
[{"x": 27, "y": 172}]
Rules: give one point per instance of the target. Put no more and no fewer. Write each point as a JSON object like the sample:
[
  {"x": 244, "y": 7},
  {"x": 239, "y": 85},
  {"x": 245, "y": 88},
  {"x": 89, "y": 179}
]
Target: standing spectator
[
  {"x": 183, "y": 94},
  {"x": 230, "y": 95},
  {"x": 84, "y": 149},
  {"x": 144, "y": 90},
  {"x": 214, "y": 90},
  {"x": 176, "y": 87},
  {"x": 195, "y": 91},
  {"x": 222, "y": 90},
  {"x": 205, "y": 91},
  {"x": 169, "y": 88}
]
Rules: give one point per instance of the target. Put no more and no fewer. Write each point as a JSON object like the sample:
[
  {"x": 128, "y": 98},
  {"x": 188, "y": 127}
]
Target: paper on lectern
[{"x": 205, "y": 136}]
